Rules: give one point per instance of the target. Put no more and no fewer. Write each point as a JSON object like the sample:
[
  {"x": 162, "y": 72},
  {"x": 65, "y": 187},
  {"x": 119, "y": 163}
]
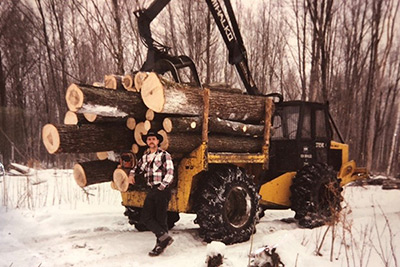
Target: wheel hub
[{"x": 238, "y": 207}]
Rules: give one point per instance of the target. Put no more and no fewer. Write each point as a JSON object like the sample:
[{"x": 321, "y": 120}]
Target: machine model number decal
[{"x": 319, "y": 145}]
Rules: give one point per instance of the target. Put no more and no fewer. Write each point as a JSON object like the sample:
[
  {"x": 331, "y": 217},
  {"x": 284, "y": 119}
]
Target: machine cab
[{"x": 300, "y": 135}]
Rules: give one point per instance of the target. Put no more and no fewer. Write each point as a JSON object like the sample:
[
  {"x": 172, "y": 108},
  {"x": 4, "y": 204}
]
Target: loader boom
[{"x": 160, "y": 61}]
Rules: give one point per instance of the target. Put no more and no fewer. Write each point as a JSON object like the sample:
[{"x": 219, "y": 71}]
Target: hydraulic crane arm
[
  {"x": 234, "y": 42},
  {"x": 160, "y": 61}
]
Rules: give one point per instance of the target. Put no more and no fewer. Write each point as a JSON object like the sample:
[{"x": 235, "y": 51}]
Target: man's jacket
[{"x": 157, "y": 171}]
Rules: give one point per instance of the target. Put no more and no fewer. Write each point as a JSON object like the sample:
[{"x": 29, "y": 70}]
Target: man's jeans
[{"x": 154, "y": 213}]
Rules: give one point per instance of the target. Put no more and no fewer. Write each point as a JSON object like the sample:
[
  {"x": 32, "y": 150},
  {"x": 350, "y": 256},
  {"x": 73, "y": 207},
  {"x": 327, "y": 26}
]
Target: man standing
[{"x": 158, "y": 169}]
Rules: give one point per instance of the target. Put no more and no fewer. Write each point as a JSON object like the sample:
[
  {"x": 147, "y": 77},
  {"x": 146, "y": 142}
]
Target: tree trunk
[
  {"x": 172, "y": 98},
  {"x": 94, "y": 172},
  {"x": 100, "y": 101},
  {"x": 86, "y": 138}
]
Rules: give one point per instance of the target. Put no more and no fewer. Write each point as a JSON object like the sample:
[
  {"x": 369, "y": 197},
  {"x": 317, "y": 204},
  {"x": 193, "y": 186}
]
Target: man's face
[{"x": 152, "y": 141}]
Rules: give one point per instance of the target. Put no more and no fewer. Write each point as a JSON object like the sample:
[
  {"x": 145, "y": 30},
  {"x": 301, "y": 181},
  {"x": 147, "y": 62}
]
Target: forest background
[{"x": 345, "y": 52}]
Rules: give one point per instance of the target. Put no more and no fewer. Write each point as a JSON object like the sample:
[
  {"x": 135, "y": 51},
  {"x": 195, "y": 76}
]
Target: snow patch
[
  {"x": 102, "y": 110},
  {"x": 57, "y": 224},
  {"x": 176, "y": 101},
  {"x": 215, "y": 248}
]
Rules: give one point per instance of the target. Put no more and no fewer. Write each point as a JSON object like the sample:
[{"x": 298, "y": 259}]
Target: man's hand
[{"x": 131, "y": 178}]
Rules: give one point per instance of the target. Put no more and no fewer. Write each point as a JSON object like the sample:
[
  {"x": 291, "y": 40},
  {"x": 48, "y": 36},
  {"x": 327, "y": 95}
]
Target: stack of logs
[{"x": 113, "y": 117}]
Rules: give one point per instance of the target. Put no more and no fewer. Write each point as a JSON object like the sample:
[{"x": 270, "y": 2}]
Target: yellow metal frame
[
  {"x": 236, "y": 158},
  {"x": 277, "y": 191},
  {"x": 188, "y": 168},
  {"x": 273, "y": 193}
]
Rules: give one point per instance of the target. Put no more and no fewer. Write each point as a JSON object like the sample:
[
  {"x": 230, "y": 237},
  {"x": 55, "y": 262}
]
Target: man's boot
[{"x": 162, "y": 243}]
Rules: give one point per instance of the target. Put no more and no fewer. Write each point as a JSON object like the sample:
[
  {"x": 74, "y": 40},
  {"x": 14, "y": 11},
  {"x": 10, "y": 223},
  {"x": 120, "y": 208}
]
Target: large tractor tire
[
  {"x": 133, "y": 215},
  {"x": 316, "y": 195},
  {"x": 226, "y": 204}
]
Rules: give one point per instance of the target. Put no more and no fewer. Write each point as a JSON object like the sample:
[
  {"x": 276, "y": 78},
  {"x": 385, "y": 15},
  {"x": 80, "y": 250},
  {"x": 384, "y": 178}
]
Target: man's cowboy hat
[{"x": 158, "y": 136}]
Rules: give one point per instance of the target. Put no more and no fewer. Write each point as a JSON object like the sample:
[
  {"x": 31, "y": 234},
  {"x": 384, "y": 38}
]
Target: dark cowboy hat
[{"x": 157, "y": 135}]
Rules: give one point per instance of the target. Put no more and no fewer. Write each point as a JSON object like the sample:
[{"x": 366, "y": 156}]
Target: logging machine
[{"x": 299, "y": 166}]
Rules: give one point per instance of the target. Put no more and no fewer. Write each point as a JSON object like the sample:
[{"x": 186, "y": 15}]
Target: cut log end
[
  {"x": 149, "y": 115},
  {"x": 152, "y": 92},
  {"x": 120, "y": 179},
  {"x": 79, "y": 175},
  {"x": 51, "y": 138},
  {"x": 90, "y": 117},
  {"x": 70, "y": 118},
  {"x": 102, "y": 155},
  {"x": 112, "y": 184},
  {"x": 110, "y": 82},
  {"x": 139, "y": 79},
  {"x": 167, "y": 125},
  {"x": 127, "y": 82},
  {"x": 74, "y": 97},
  {"x": 147, "y": 125},
  {"x": 140, "y": 130},
  {"x": 135, "y": 149},
  {"x": 131, "y": 123},
  {"x": 98, "y": 84}
]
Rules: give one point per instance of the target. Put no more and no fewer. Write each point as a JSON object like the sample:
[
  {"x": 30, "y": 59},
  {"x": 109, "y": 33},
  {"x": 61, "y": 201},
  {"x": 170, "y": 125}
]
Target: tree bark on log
[
  {"x": 167, "y": 97},
  {"x": 223, "y": 87},
  {"x": 100, "y": 101},
  {"x": 217, "y": 125},
  {"x": 182, "y": 124},
  {"x": 86, "y": 138},
  {"x": 186, "y": 143},
  {"x": 94, "y": 172},
  {"x": 155, "y": 125}
]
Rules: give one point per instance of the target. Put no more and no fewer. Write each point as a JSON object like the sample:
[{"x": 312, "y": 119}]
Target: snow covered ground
[{"x": 47, "y": 220}]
